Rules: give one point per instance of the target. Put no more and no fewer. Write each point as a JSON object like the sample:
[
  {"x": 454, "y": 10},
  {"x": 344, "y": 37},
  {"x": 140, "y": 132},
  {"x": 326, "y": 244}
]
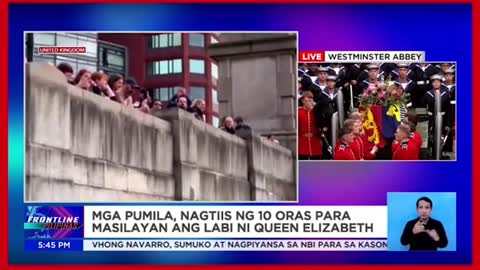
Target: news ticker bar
[
  {"x": 361, "y": 56},
  {"x": 208, "y": 245}
]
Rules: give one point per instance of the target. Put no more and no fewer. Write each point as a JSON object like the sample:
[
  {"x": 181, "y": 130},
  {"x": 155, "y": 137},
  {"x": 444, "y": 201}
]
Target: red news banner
[
  {"x": 360, "y": 56},
  {"x": 311, "y": 56}
]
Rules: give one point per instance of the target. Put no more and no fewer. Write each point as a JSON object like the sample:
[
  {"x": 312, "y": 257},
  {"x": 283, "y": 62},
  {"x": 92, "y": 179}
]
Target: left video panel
[{"x": 144, "y": 117}]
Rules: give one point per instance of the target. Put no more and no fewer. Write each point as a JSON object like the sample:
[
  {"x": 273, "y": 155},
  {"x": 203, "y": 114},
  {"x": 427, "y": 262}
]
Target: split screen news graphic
[
  {"x": 147, "y": 117},
  {"x": 377, "y": 111}
]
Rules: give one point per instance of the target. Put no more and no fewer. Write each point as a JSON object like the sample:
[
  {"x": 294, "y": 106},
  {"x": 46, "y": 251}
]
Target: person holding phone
[{"x": 424, "y": 232}]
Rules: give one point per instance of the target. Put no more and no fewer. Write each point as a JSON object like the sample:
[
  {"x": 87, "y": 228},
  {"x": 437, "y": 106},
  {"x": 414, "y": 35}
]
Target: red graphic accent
[{"x": 312, "y": 56}]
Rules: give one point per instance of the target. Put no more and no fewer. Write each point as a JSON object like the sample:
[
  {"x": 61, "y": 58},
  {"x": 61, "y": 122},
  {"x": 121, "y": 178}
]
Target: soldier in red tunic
[
  {"x": 411, "y": 119},
  {"x": 357, "y": 144},
  {"x": 368, "y": 149},
  {"x": 343, "y": 150},
  {"x": 415, "y": 137},
  {"x": 403, "y": 147},
  {"x": 309, "y": 136}
]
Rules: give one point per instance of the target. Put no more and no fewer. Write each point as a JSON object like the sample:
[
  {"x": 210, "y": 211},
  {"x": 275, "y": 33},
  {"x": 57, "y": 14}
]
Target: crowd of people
[
  {"x": 319, "y": 86},
  {"x": 129, "y": 93}
]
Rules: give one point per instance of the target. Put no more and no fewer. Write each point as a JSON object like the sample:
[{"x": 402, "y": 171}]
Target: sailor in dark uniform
[
  {"x": 353, "y": 72},
  {"x": 449, "y": 84},
  {"x": 307, "y": 68},
  {"x": 373, "y": 78},
  {"x": 302, "y": 69},
  {"x": 307, "y": 82},
  {"x": 335, "y": 69},
  {"x": 304, "y": 77},
  {"x": 421, "y": 74},
  {"x": 340, "y": 72},
  {"x": 321, "y": 81},
  {"x": 405, "y": 83},
  {"x": 386, "y": 70},
  {"x": 444, "y": 67},
  {"x": 326, "y": 107},
  {"x": 395, "y": 72},
  {"x": 429, "y": 99},
  {"x": 300, "y": 92},
  {"x": 364, "y": 74}
]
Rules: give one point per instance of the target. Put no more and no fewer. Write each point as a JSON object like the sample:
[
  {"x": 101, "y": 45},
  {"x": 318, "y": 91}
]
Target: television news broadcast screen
[{"x": 192, "y": 134}]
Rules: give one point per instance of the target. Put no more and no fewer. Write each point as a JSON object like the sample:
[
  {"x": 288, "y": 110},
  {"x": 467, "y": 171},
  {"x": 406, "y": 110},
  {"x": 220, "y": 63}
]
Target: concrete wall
[
  {"x": 257, "y": 78},
  {"x": 272, "y": 171},
  {"x": 82, "y": 147},
  {"x": 210, "y": 164}
]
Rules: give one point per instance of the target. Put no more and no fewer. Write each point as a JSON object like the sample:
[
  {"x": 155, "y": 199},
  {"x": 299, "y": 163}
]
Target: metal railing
[
  {"x": 351, "y": 96},
  {"x": 334, "y": 129},
  {"x": 437, "y": 143},
  {"x": 340, "y": 109}
]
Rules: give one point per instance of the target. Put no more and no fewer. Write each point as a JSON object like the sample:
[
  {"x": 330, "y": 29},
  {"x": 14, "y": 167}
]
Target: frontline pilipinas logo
[{"x": 53, "y": 222}]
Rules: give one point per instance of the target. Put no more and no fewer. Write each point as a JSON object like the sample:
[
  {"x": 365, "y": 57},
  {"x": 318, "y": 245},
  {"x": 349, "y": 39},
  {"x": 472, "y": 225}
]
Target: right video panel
[{"x": 377, "y": 111}]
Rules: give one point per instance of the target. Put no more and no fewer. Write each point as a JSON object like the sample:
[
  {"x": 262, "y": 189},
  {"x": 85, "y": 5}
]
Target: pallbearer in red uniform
[
  {"x": 309, "y": 136},
  {"x": 415, "y": 137},
  {"x": 343, "y": 150},
  {"x": 357, "y": 144},
  {"x": 403, "y": 147},
  {"x": 411, "y": 121},
  {"x": 369, "y": 148}
]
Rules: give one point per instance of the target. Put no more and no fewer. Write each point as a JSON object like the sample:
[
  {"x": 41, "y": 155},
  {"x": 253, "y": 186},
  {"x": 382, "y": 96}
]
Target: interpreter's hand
[
  {"x": 418, "y": 228},
  {"x": 433, "y": 234},
  {"x": 325, "y": 129}
]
